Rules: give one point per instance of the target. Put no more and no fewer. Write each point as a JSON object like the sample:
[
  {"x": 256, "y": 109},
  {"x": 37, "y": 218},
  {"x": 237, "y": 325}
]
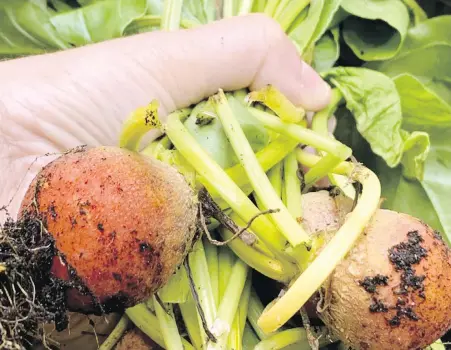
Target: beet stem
[
  {"x": 287, "y": 225},
  {"x": 324, "y": 264}
]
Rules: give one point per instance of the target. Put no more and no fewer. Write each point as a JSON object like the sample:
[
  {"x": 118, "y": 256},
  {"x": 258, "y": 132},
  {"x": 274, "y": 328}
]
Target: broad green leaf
[
  {"x": 407, "y": 196},
  {"x": 377, "y": 29},
  {"x": 420, "y": 105},
  {"x": 437, "y": 179},
  {"x": 327, "y": 51},
  {"x": 99, "y": 21},
  {"x": 429, "y": 199},
  {"x": 214, "y": 141},
  {"x": 26, "y": 28},
  {"x": 426, "y": 54},
  {"x": 373, "y": 100},
  {"x": 436, "y": 182}
]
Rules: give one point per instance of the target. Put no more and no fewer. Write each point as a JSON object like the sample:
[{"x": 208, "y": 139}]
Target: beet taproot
[
  {"x": 122, "y": 223},
  {"x": 392, "y": 290}
]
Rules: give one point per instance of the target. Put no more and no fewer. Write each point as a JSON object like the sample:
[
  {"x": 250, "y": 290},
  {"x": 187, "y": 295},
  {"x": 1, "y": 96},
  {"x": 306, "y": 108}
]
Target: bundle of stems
[{"x": 261, "y": 196}]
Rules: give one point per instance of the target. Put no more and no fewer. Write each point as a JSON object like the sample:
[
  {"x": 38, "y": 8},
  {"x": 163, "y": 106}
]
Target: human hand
[{"x": 54, "y": 102}]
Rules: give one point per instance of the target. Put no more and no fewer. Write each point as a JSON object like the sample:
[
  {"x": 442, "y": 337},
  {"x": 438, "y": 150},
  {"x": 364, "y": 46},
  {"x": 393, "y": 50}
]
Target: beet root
[
  {"x": 121, "y": 223},
  {"x": 392, "y": 290}
]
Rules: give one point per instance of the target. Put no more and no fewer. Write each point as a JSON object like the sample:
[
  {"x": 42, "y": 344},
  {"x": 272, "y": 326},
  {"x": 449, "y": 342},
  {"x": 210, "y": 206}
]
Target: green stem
[
  {"x": 191, "y": 321},
  {"x": 275, "y": 176},
  {"x": 273, "y": 267},
  {"x": 211, "y": 254},
  {"x": 437, "y": 345},
  {"x": 244, "y": 303},
  {"x": 168, "y": 326},
  {"x": 201, "y": 278},
  {"x": 321, "y": 169},
  {"x": 289, "y": 337},
  {"x": 116, "y": 334},
  {"x": 259, "y": 6},
  {"x": 278, "y": 103},
  {"x": 172, "y": 13},
  {"x": 320, "y": 125},
  {"x": 245, "y": 7},
  {"x": 292, "y": 186},
  {"x": 302, "y": 134},
  {"x": 271, "y": 6},
  {"x": 235, "y": 340},
  {"x": 250, "y": 340},
  {"x": 299, "y": 19},
  {"x": 138, "y": 124},
  {"x": 215, "y": 177},
  {"x": 226, "y": 261},
  {"x": 321, "y": 118},
  {"x": 292, "y": 231},
  {"x": 149, "y": 22},
  {"x": 336, "y": 249},
  {"x": 229, "y": 305},
  {"x": 228, "y": 8},
  {"x": 268, "y": 157},
  {"x": 289, "y": 13},
  {"x": 255, "y": 310},
  {"x": 148, "y": 323},
  {"x": 155, "y": 148},
  {"x": 311, "y": 160}
]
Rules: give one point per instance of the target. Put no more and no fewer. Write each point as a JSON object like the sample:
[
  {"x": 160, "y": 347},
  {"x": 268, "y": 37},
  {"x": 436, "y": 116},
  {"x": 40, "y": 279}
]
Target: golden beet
[
  {"x": 392, "y": 290},
  {"x": 122, "y": 222}
]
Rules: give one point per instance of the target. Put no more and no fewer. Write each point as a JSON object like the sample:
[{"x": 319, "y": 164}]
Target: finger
[{"x": 249, "y": 51}]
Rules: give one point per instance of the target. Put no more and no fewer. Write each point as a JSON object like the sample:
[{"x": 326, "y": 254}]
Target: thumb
[{"x": 238, "y": 52}]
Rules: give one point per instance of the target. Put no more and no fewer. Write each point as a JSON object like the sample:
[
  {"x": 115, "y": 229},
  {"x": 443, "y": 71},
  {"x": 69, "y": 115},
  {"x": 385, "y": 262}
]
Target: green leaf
[
  {"x": 420, "y": 105},
  {"x": 99, "y": 21},
  {"x": 426, "y": 54},
  {"x": 338, "y": 18},
  {"x": 154, "y": 7},
  {"x": 407, "y": 196},
  {"x": 327, "y": 51},
  {"x": 416, "y": 151},
  {"x": 373, "y": 100},
  {"x": 328, "y": 12},
  {"x": 26, "y": 28},
  {"x": 214, "y": 141},
  {"x": 303, "y": 34},
  {"x": 429, "y": 199},
  {"x": 437, "y": 182},
  {"x": 416, "y": 12},
  {"x": 377, "y": 29}
]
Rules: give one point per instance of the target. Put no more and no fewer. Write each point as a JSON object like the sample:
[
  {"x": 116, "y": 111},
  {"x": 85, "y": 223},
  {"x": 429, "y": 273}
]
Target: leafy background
[{"x": 391, "y": 60}]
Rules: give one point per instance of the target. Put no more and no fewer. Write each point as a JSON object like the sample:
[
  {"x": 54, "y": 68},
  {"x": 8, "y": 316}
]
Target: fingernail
[{"x": 314, "y": 92}]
